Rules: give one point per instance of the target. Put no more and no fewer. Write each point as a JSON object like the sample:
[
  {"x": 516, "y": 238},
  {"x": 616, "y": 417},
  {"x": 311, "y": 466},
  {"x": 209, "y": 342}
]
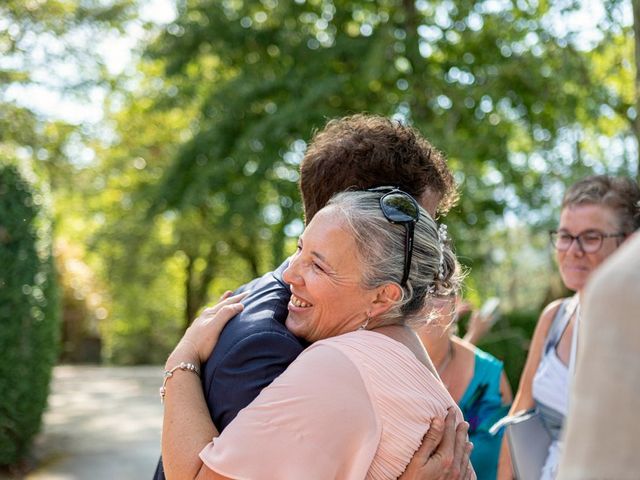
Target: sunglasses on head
[{"x": 400, "y": 208}]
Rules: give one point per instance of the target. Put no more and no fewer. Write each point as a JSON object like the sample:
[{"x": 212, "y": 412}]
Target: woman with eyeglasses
[
  {"x": 357, "y": 402},
  {"x": 598, "y": 213}
]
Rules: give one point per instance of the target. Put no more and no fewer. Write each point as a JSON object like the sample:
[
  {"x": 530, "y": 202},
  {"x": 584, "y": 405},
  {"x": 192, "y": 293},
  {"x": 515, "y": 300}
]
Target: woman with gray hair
[
  {"x": 598, "y": 214},
  {"x": 356, "y": 403}
]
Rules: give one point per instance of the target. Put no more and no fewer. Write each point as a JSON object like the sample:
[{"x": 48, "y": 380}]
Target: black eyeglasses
[
  {"x": 401, "y": 208},
  {"x": 589, "y": 241}
]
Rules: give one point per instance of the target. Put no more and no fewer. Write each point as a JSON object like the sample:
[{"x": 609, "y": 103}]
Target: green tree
[
  {"x": 160, "y": 269},
  {"x": 514, "y": 96},
  {"x": 40, "y": 42},
  {"x": 50, "y": 52},
  {"x": 193, "y": 188},
  {"x": 512, "y": 102}
]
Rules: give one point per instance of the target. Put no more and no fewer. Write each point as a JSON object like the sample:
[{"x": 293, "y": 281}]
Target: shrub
[
  {"x": 29, "y": 312},
  {"x": 509, "y": 341}
]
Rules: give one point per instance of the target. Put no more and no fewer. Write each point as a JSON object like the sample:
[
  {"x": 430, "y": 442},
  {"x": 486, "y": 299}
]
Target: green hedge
[
  {"x": 509, "y": 341},
  {"x": 29, "y": 312}
]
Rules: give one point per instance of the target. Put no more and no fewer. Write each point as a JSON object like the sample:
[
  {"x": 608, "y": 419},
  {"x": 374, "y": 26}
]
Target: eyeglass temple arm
[{"x": 408, "y": 252}]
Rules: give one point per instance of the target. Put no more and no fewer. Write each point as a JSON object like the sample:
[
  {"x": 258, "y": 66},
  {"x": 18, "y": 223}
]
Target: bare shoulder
[
  {"x": 463, "y": 348},
  {"x": 553, "y": 306}
]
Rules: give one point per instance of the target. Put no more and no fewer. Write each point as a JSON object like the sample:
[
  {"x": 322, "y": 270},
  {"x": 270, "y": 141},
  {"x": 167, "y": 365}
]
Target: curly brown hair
[{"x": 363, "y": 151}]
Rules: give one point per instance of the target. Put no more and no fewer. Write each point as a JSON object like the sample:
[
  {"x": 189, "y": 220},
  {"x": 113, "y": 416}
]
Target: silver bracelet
[{"x": 190, "y": 367}]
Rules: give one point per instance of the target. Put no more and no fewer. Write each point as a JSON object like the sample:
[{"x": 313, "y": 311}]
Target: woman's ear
[{"x": 387, "y": 296}]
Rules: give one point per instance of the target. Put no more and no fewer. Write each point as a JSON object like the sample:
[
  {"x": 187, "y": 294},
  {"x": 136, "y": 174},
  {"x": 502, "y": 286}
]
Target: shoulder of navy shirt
[{"x": 254, "y": 348}]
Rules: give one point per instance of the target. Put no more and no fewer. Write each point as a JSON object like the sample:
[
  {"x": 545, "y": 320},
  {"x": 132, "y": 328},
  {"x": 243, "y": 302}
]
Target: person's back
[
  {"x": 253, "y": 350},
  {"x": 350, "y": 407},
  {"x": 405, "y": 394}
]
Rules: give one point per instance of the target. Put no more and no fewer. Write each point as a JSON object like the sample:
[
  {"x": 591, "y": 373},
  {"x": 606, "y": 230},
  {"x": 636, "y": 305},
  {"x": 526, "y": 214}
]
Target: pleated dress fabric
[{"x": 354, "y": 406}]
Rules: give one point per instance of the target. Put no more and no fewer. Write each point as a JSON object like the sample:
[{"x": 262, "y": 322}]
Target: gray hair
[
  {"x": 381, "y": 244},
  {"x": 621, "y": 194}
]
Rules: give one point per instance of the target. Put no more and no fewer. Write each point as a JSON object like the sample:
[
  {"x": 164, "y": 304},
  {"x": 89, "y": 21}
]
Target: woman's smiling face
[{"x": 325, "y": 278}]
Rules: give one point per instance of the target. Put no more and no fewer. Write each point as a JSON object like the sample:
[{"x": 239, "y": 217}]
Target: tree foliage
[
  {"x": 188, "y": 187},
  {"x": 515, "y": 104},
  {"x": 173, "y": 260},
  {"x": 50, "y": 59},
  {"x": 520, "y": 103},
  {"x": 46, "y": 45}
]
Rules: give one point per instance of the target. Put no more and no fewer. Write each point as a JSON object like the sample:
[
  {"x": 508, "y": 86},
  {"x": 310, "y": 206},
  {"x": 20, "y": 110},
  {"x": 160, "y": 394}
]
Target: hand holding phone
[
  {"x": 488, "y": 310},
  {"x": 482, "y": 320}
]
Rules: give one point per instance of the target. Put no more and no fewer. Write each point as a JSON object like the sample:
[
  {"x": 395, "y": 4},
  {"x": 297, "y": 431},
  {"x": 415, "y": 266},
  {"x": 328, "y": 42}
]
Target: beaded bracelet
[{"x": 190, "y": 367}]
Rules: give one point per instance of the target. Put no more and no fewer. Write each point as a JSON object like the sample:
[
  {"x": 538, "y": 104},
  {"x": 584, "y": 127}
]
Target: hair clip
[{"x": 443, "y": 238}]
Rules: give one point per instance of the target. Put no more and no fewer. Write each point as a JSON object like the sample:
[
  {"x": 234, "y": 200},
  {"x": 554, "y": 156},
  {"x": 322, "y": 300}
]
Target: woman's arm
[
  {"x": 505, "y": 389},
  {"x": 524, "y": 396},
  {"x": 187, "y": 427}
]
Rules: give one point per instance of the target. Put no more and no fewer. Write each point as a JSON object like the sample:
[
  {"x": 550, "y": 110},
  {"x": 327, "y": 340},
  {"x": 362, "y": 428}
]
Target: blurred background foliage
[{"x": 171, "y": 143}]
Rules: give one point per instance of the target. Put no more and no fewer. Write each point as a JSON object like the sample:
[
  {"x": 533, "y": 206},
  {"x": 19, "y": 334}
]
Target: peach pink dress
[{"x": 353, "y": 406}]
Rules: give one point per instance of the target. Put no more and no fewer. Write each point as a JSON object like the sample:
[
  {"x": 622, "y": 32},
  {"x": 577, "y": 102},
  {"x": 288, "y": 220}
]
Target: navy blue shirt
[{"x": 253, "y": 349}]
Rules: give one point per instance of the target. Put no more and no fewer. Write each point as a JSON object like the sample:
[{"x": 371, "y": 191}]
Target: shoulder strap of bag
[{"x": 558, "y": 325}]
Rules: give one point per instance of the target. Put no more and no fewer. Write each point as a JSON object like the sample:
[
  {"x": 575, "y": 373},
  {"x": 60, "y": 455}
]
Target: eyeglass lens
[{"x": 588, "y": 242}]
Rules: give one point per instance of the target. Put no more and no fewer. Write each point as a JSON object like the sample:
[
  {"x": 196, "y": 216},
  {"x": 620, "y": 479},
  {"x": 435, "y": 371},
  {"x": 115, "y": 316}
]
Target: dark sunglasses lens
[{"x": 399, "y": 207}]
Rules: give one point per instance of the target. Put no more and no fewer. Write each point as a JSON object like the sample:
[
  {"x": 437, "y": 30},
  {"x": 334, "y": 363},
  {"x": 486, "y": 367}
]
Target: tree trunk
[
  {"x": 249, "y": 254},
  {"x": 197, "y": 285},
  {"x": 189, "y": 309},
  {"x": 412, "y": 52},
  {"x": 201, "y": 290}
]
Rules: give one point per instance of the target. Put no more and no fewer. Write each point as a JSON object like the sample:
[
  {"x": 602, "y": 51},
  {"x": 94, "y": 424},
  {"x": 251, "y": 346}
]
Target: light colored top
[
  {"x": 349, "y": 407},
  {"x": 550, "y": 386},
  {"x": 602, "y": 428},
  {"x": 551, "y": 383}
]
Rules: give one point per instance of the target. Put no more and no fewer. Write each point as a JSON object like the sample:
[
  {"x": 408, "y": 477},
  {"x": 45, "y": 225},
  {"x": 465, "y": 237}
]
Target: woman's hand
[
  {"x": 444, "y": 453},
  {"x": 201, "y": 337}
]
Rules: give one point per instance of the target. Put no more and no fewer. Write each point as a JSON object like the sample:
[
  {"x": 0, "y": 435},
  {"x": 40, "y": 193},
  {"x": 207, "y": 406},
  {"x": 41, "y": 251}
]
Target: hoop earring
[{"x": 366, "y": 322}]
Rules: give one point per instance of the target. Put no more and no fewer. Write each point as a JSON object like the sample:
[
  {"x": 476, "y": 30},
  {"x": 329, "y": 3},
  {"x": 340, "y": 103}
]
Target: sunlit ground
[{"x": 102, "y": 423}]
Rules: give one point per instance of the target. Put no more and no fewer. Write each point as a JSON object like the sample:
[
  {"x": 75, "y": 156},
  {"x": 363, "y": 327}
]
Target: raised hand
[{"x": 202, "y": 335}]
